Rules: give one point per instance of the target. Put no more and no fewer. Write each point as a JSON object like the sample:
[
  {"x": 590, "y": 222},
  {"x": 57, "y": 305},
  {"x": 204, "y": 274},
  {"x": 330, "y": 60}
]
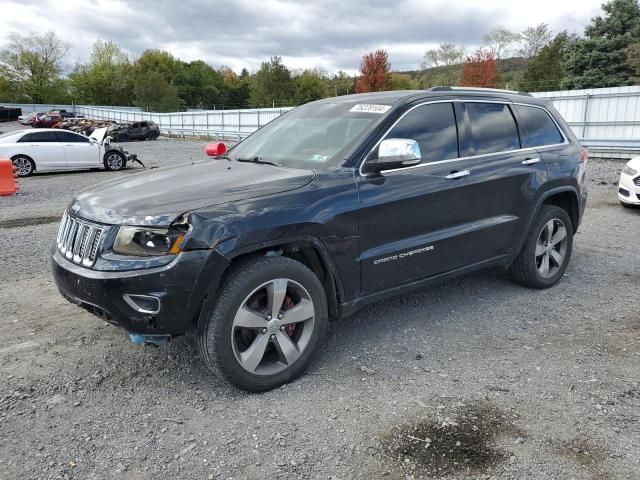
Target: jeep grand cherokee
[{"x": 333, "y": 205}]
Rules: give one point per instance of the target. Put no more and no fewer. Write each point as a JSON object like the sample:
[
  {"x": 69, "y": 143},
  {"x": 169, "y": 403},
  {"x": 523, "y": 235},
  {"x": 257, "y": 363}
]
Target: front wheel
[
  {"x": 267, "y": 323},
  {"x": 546, "y": 251},
  {"x": 114, "y": 161},
  {"x": 24, "y": 165}
]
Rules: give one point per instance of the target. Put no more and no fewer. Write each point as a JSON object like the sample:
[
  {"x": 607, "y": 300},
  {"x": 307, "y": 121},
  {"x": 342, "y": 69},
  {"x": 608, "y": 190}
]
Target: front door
[{"x": 80, "y": 152}]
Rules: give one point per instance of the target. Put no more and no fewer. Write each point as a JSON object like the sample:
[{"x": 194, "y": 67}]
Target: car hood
[
  {"x": 99, "y": 134},
  {"x": 159, "y": 196}
]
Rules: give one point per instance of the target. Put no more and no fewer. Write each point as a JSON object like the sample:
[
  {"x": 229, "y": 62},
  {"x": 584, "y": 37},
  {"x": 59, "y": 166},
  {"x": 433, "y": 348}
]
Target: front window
[{"x": 316, "y": 136}]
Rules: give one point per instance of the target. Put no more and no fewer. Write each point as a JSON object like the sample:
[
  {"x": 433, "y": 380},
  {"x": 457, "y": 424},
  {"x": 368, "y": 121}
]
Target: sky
[{"x": 331, "y": 34}]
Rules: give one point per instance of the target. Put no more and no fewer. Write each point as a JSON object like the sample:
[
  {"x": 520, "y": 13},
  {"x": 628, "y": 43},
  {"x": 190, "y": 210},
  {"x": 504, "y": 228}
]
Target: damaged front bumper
[{"x": 157, "y": 301}]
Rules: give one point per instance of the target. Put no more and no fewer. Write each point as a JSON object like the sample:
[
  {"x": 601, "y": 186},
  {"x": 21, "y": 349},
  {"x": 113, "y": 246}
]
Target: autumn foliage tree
[
  {"x": 375, "y": 73},
  {"x": 480, "y": 70}
]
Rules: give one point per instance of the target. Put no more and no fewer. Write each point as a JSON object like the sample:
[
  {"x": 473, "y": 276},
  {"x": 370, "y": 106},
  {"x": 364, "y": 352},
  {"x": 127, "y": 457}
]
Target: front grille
[
  {"x": 637, "y": 181},
  {"x": 79, "y": 240}
]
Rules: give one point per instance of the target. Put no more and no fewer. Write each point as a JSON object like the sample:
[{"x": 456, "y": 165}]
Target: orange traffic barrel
[{"x": 8, "y": 178}]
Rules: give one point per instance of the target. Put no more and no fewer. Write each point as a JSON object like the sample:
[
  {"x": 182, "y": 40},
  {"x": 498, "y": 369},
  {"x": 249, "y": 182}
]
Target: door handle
[
  {"x": 531, "y": 161},
  {"x": 68, "y": 144},
  {"x": 460, "y": 174}
]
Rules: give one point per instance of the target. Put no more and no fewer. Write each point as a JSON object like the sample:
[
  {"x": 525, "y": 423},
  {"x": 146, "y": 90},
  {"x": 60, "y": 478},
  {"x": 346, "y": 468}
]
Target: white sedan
[
  {"x": 54, "y": 149},
  {"x": 629, "y": 187}
]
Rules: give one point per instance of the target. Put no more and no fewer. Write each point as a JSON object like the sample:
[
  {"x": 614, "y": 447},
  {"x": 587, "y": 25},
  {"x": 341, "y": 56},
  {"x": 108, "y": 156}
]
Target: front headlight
[
  {"x": 629, "y": 171},
  {"x": 144, "y": 242}
]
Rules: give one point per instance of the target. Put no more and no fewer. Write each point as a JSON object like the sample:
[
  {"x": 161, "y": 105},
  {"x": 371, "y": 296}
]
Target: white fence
[
  {"x": 607, "y": 120},
  {"x": 235, "y": 124}
]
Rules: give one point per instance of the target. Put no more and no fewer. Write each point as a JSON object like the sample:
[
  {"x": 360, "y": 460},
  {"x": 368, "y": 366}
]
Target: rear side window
[
  {"x": 39, "y": 137},
  {"x": 433, "y": 127},
  {"x": 492, "y": 129},
  {"x": 536, "y": 127},
  {"x": 69, "y": 137}
]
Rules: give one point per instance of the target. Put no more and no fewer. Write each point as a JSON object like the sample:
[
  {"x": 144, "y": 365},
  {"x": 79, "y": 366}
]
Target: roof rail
[{"x": 478, "y": 89}]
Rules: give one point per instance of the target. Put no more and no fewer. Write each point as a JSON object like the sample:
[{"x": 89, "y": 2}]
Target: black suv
[
  {"x": 333, "y": 205},
  {"x": 135, "y": 131}
]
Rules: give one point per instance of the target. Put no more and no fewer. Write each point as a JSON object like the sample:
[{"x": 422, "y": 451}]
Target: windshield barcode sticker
[{"x": 370, "y": 108}]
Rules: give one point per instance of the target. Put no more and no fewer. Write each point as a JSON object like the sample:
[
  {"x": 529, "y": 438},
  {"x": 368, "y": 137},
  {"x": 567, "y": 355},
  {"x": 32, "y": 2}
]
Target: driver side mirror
[{"x": 394, "y": 153}]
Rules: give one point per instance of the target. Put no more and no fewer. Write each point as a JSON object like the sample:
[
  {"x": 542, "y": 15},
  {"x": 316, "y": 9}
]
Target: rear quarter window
[
  {"x": 492, "y": 129},
  {"x": 537, "y": 129}
]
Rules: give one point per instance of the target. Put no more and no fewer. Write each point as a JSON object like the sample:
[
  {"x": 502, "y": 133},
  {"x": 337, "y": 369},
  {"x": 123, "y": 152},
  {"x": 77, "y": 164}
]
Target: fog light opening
[
  {"x": 623, "y": 192},
  {"x": 143, "y": 303}
]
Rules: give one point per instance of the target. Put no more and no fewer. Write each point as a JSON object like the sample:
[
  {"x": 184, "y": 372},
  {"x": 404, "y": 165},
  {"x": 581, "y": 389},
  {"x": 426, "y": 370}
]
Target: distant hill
[{"x": 511, "y": 72}]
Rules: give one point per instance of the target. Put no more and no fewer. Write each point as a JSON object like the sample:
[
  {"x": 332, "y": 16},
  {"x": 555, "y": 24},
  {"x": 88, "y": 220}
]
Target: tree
[
  {"x": 480, "y": 70},
  {"x": 633, "y": 58},
  {"x": 106, "y": 78},
  {"x": 236, "y": 88},
  {"x": 341, "y": 84},
  {"x": 499, "y": 42},
  {"x": 198, "y": 84},
  {"x": 375, "y": 73},
  {"x": 601, "y": 58},
  {"x": 311, "y": 85},
  {"x": 152, "y": 91},
  {"x": 545, "y": 71},
  {"x": 535, "y": 39},
  {"x": 402, "y": 81},
  {"x": 446, "y": 54},
  {"x": 272, "y": 85},
  {"x": 32, "y": 65}
]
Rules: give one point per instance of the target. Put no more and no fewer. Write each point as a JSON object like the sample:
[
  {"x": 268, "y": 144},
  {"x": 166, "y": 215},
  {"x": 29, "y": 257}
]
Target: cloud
[{"x": 333, "y": 34}]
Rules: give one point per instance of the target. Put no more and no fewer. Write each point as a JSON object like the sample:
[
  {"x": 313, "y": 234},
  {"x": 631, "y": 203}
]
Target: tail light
[{"x": 584, "y": 155}]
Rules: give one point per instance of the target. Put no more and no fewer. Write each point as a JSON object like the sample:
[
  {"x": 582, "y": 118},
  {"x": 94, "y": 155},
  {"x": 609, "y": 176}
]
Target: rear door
[
  {"x": 507, "y": 175},
  {"x": 79, "y": 150},
  {"x": 45, "y": 149},
  {"x": 134, "y": 131}
]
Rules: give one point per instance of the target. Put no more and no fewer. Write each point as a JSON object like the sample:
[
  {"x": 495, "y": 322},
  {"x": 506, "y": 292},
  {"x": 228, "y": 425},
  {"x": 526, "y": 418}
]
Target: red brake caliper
[{"x": 286, "y": 305}]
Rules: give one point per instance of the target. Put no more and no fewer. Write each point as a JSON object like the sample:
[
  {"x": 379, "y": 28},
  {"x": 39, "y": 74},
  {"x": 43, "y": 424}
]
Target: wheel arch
[
  {"x": 565, "y": 197},
  {"x": 309, "y": 251},
  {"x": 35, "y": 165}
]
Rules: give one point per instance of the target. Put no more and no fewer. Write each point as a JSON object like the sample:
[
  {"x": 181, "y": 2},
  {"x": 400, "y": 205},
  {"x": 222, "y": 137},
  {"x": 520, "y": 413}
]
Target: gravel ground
[{"x": 472, "y": 378}]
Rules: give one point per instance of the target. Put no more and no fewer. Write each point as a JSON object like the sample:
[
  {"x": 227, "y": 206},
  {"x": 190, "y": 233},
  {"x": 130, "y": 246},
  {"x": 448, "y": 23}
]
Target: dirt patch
[
  {"x": 463, "y": 441},
  {"x": 26, "y": 222},
  {"x": 584, "y": 453}
]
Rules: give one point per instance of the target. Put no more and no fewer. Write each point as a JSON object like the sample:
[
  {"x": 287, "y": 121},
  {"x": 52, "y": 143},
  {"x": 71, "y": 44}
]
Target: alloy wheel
[
  {"x": 272, "y": 327},
  {"x": 23, "y": 166},
  {"x": 114, "y": 161},
  {"x": 551, "y": 248}
]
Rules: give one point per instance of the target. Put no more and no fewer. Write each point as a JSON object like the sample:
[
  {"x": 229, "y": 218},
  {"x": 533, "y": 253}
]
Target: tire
[
  {"x": 114, "y": 161},
  {"x": 153, "y": 136},
  {"x": 628, "y": 205},
  {"x": 24, "y": 165},
  {"x": 528, "y": 269},
  {"x": 225, "y": 346}
]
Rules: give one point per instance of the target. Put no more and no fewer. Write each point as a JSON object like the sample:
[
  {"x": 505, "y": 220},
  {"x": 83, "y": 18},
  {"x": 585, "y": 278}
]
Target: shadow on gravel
[{"x": 465, "y": 443}]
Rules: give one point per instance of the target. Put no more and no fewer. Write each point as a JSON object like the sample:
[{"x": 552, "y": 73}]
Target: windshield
[{"x": 314, "y": 136}]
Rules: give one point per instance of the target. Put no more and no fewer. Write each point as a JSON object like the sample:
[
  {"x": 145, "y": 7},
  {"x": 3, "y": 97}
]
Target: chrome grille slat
[
  {"x": 78, "y": 240},
  {"x": 637, "y": 181}
]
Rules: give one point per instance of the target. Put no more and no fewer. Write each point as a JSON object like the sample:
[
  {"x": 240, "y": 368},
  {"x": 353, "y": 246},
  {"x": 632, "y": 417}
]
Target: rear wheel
[
  {"x": 114, "y": 161},
  {"x": 267, "y": 322},
  {"x": 546, "y": 251},
  {"x": 24, "y": 165}
]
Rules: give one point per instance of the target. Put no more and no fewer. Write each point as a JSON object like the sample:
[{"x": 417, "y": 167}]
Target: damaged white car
[{"x": 50, "y": 149}]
